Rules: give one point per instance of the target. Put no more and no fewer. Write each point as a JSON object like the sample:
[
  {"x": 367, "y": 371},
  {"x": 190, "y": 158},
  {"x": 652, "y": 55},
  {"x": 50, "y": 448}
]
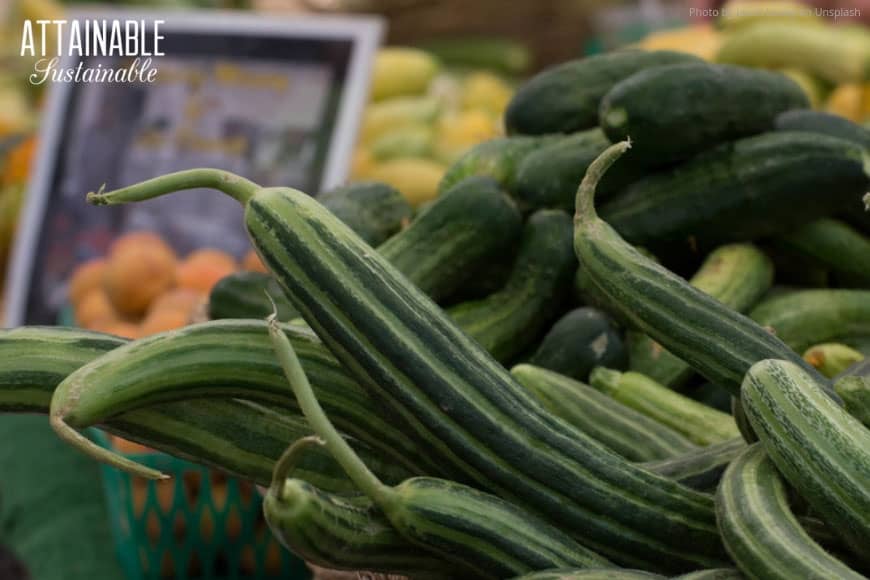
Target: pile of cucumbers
[{"x": 583, "y": 359}]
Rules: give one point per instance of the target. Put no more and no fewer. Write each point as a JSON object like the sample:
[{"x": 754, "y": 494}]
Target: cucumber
[
  {"x": 508, "y": 321},
  {"x": 718, "y": 342},
  {"x": 713, "y": 396},
  {"x": 821, "y": 450},
  {"x": 579, "y": 341},
  {"x": 246, "y": 295},
  {"x": 699, "y": 423},
  {"x": 713, "y": 574},
  {"x": 832, "y": 358},
  {"x": 702, "y": 468},
  {"x": 737, "y": 275},
  {"x": 824, "y": 124},
  {"x": 464, "y": 229},
  {"x": 498, "y": 54},
  {"x": 861, "y": 369},
  {"x": 855, "y": 392},
  {"x": 565, "y": 98},
  {"x": 605, "y": 574},
  {"x": 404, "y": 142},
  {"x": 448, "y": 393},
  {"x": 375, "y": 211},
  {"x": 730, "y": 193},
  {"x": 618, "y": 427},
  {"x": 707, "y": 104},
  {"x": 761, "y": 533},
  {"x": 497, "y": 159},
  {"x": 833, "y": 245},
  {"x": 807, "y": 317}
]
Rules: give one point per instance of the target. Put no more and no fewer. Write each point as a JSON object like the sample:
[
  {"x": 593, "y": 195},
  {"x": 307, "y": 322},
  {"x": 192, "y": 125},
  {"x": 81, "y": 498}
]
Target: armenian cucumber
[
  {"x": 702, "y": 468},
  {"x": 580, "y": 341},
  {"x": 730, "y": 192},
  {"x": 833, "y": 245},
  {"x": 497, "y": 159},
  {"x": 821, "y": 450},
  {"x": 855, "y": 392},
  {"x": 620, "y": 428},
  {"x": 565, "y": 98},
  {"x": 707, "y": 104},
  {"x": 375, "y": 211},
  {"x": 737, "y": 275},
  {"x": 823, "y": 123},
  {"x": 761, "y": 533},
  {"x": 246, "y": 295},
  {"x": 508, "y": 321},
  {"x": 832, "y": 358},
  {"x": 807, "y": 317},
  {"x": 448, "y": 393}
]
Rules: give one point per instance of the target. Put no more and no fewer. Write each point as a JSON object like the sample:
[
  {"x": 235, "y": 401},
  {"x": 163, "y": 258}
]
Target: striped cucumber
[
  {"x": 855, "y": 392},
  {"x": 737, "y": 275},
  {"x": 698, "y": 422},
  {"x": 488, "y": 536},
  {"x": 832, "y": 358},
  {"x": 715, "y": 340},
  {"x": 508, "y": 321},
  {"x": 449, "y": 394},
  {"x": 605, "y": 574},
  {"x": 761, "y": 533},
  {"x": 618, "y": 427},
  {"x": 496, "y": 159},
  {"x": 700, "y": 469},
  {"x": 833, "y": 245},
  {"x": 821, "y": 450},
  {"x": 713, "y": 574}
]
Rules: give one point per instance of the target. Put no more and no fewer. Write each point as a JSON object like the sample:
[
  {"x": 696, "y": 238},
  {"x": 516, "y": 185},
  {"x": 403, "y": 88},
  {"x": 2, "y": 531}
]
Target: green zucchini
[
  {"x": 581, "y": 340},
  {"x": 832, "y": 358},
  {"x": 565, "y": 98},
  {"x": 618, "y": 427},
  {"x": 729, "y": 193},
  {"x": 448, "y": 393},
  {"x": 246, "y": 295},
  {"x": 824, "y": 124},
  {"x": 718, "y": 342},
  {"x": 698, "y": 422},
  {"x": 601, "y": 574},
  {"x": 821, "y": 450},
  {"x": 761, "y": 533},
  {"x": 713, "y": 574},
  {"x": 807, "y": 317},
  {"x": 487, "y": 535},
  {"x": 508, "y": 321},
  {"x": 461, "y": 231},
  {"x": 497, "y": 159},
  {"x": 855, "y": 392},
  {"x": 737, "y": 275},
  {"x": 375, "y": 211},
  {"x": 833, "y": 245},
  {"x": 700, "y": 469},
  {"x": 708, "y": 104}
]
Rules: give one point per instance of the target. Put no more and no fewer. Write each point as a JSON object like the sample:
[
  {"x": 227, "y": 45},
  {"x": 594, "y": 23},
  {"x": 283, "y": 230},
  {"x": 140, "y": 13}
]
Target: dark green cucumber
[
  {"x": 807, "y": 317},
  {"x": 824, "y": 124},
  {"x": 855, "y": 392},
  {"x": 730, "y": 193},
  {"x": 821, "y": 450},
  {"x": 760, "y": 531},
  {"x": 375, "y": 211},
  {"x": 508, "y": 321},
  {"x": 600, "y": 574},
  {"x": 713, "y": 574},
  {"x": 707, "y": 104},
  {"x": 697, "y": 422},
  {"x": 718, "y": 342},
  {"x": 833, "y": 245},
  {"x": 448, "y": 393},
  {"x": 246, "y": 295},
  {"x": 713, "y": 396},
  {"x": 565, "y": 98},
  {"x": 464, "y": 228},
  {"x": 497, "y": 159},
  {"x": 618, "y": 427},
  {"x": 580, "y": 341},
  {"x": 832, "y": 358},
  {"x": 700, "y": 469},
  {"x": 737, "y": 275}
]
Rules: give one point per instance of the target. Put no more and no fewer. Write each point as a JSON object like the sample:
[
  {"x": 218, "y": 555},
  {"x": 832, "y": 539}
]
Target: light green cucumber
[
  {"x": 701, "y": 468},
  {"x": 832, "y": 358},
  {"x": 855, "y": 392},
  {"x": 833, "y": 245}
]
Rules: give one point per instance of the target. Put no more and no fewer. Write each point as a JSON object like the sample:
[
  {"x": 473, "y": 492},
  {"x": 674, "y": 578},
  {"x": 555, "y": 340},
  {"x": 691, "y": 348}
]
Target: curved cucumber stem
[
  {"x": 356, "y": 470},
  {"x": 585, "y": 201},
  {"x": 231, "y": 184},
  {"x": 289, "y": 459}
]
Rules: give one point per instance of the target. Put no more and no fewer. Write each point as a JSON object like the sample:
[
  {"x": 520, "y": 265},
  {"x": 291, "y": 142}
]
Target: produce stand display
[{"x": 603, "y": 317}]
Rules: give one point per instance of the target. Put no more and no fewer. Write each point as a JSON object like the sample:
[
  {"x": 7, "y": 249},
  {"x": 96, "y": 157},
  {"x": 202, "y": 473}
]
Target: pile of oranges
[{"x": 143, "y": 287}]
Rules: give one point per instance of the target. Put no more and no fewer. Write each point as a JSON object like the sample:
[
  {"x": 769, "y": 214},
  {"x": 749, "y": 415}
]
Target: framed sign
[{"x": 275, "y": 99}]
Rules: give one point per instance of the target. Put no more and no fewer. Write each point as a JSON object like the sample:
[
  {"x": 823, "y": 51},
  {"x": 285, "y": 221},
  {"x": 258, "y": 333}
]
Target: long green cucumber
[
  {"x": 618, "y": 427},
  {"x": 834, "y": 245},
  {"x": 497, "y": 159},
  {"x": 713, "y": 574},
  {"x": 737, "y": 275},
  {"x": 698, "y": 422},
  {"x": 373, "y": 210},
  {"x": 508, "y": 321},
  {"x": 832, "y": 358},
  {"x": 761, "y": 533},
  {"x": 821, "y": 450},
  {"x": 450, "y": 395},
  {"x": 487, "y": 535},
  {"x": 807, "y": 317},
  {"x": 825, "y": 124},
  {"x": 855, "y": 392},
  {"x": 700, "y": 469},
  {"x": 715, "y": 340},
  {"x": 246, "y": 295},
  {"x": 605, "y": 574}
]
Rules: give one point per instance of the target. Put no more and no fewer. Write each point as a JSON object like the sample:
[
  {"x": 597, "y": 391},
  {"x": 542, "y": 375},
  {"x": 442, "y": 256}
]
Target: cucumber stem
[
  {"x": 585, "y": 201},
  {"x": 290, "y": 459},
  {"x": 356, "y": 470},
  {"x": 231, "y": 184}
]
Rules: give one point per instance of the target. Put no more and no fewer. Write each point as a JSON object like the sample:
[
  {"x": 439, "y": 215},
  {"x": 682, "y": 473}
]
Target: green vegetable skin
[
  {"x": 498, "y": 54},
  {"x": 497, "y": 159},
  {"x": 832, "y": 358},
  {"x": 246, "y": 295},
  {"x": 822, "y": 451},
  {"x": 713, "y": 574},
  {"x": 605, "y": 574},
  {"x": 761, "y": 533},
  {"x": 435, "y": 379},
  {"x": 855, "y": 392},
  {"x": 707, "y": 104},
  {"x": 702, "y": 468},
  {"x": 823, "y": 123},
  {"x": 375, "y": 211},
  {"x": 833, "y": 245}
]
